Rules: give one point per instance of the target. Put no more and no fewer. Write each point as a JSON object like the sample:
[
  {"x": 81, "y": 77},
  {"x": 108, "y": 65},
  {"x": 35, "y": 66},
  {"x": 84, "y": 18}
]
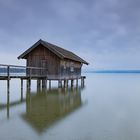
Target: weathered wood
[
  {"x": 59, "y": 83},
  {"x": 49, "y": 84},
  {"x": 8, "y": 85},
  {"x": 64, "y": 83},
  {"x": 67, "y": 82},
  {"x": 44, "y": 84},
  {"x": 29, "y": 84},
  {"x": 72, "y": 81},
  {"x": 8, "y": 72},
  {"x": 42, "y": 57},
  {"x": 76, "y": 82},
  {"x": 38, "y": 84},
  {"x": 9, "y": 75},
  {"x": 82, "y": 81},
  {"x": 21, "y": 89}
]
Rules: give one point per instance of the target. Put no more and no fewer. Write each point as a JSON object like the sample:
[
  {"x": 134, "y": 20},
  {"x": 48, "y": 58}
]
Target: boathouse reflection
[{"x": 45, "y": 109}]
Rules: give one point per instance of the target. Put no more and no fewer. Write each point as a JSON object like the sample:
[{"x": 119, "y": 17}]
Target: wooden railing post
[
  {"x": 30, "y": 72},
  {"x": 8, "y": 79},
  {"x": 21, "y": 89},
  {"x": 8, "y": 72}
]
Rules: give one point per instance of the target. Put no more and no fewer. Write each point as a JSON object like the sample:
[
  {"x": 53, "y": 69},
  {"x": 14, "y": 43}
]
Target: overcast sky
[{"x": 106, "y": 33}]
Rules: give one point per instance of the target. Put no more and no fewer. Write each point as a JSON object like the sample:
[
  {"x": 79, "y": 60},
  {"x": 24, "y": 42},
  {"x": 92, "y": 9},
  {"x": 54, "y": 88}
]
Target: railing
[
  {"x": 23, "y": 71},
  {"x": 14, "y": 70}
]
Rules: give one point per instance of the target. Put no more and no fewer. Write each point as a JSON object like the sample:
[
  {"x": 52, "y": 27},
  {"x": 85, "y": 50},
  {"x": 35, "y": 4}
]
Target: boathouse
[{"x": 56, "y": 61}]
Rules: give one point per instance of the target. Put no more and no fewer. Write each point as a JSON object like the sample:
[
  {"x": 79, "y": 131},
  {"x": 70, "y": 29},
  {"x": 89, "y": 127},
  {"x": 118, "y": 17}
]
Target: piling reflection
[{"x": 44, "y": 109}]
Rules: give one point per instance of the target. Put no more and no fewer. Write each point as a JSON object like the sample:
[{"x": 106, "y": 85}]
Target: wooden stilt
[
  {"x": 8, "y": 80},
  {"x": 77, "y": 82},
  {"x": 29, "y": 84},
  {"x": 82, "y": 81},
  {"x": 21, "y": 89},
  {"x": 8, "y": 86},
  {"x": 38, "y": 84},
  {"x": 43, "y": 84},
  {"x": 72, "y": 81},
  {"x": 59, "y": 83},
  {"x": 49, "y": 84},
  {"x": 65, "y": 84}
]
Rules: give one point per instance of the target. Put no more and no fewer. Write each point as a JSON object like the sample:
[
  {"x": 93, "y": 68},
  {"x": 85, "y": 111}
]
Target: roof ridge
[{"x": 60, "y": 52}]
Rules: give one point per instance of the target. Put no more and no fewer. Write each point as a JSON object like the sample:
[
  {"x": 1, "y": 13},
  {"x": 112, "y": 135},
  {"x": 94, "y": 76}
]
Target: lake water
[{"x": 107, "y": 108}]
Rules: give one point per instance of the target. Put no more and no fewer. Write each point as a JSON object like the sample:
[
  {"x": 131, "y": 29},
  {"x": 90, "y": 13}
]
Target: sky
[{"x": 106, "y": 33}]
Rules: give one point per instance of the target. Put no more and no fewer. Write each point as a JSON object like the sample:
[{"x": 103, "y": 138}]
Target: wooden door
[{"x": 44, "y": 65}]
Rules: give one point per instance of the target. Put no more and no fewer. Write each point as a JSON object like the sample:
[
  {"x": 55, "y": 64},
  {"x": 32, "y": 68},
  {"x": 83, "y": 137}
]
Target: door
[{"x": 44, "y": 67}]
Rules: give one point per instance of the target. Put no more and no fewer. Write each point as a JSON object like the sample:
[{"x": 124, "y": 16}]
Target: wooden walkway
[{"x": 8, "y": 72}]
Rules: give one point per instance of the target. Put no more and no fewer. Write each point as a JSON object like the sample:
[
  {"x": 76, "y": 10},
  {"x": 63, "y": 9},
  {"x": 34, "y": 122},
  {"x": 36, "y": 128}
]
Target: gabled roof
[{"x": 60, "y": 52}]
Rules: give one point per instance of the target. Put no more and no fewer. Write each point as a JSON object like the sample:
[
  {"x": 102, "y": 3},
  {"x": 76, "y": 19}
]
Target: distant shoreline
[{"x": 113, "y": 71}]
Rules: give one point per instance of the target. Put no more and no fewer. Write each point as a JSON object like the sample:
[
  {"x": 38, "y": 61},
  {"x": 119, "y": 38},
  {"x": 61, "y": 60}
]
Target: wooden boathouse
[
  {"x": 45, "y": 62},
  {"x": 58, "y": 62}
]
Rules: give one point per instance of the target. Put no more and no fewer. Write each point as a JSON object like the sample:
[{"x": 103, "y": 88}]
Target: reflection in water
[
  {"x": 8, "y": 104},
  {"x": 45, "y": 108}
]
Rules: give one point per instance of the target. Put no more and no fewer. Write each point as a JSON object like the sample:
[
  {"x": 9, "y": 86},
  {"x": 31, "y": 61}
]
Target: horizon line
[{"x": 112, "y": 71}]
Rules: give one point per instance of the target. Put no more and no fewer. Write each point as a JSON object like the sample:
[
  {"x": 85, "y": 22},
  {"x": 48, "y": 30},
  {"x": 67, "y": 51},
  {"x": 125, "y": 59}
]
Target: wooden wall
[
  {"x": 42, "y": 57},
  {"x": 70, "y": 68}
]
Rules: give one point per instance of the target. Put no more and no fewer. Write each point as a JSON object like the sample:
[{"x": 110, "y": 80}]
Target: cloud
[{"x": 105, "y": 32}]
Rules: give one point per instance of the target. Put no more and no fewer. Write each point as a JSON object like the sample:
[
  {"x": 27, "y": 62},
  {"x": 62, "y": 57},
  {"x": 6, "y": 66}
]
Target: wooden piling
[
  {"x": 77, "y": 82},
  {"x": 65, "y": 84},
  {"x": 8, "y": 79},
  {"x": 72, "y": 81},
  {"x": 59, "y": 83},
  {"x": 29, "y": 84},
  {"x": 38, "y": 84},
  {"x": 44, "y": 84},
  {"x": 8, "y": 86},
  {"x": 49, "y": 84},
  {"x": 21, "y": 89},
  {"x": 82, "y": 81}
]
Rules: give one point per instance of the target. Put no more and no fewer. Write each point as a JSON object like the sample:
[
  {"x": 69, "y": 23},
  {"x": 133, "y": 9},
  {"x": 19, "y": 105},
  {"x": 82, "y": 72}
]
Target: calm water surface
[{"x": 107, "y": 108}]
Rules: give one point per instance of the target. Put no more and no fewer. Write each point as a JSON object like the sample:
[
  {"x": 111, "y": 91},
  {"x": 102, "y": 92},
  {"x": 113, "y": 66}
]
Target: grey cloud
[{"x": 97, "y": 27}]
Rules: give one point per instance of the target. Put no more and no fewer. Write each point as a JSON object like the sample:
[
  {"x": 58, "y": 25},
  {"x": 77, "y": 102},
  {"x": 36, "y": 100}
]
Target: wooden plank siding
[
  {"x": 58, "y": 62},
  {"x": 41, "y": 55},
  {"x": 70, "y": 68},
  {"x": 55, "y": 66}
]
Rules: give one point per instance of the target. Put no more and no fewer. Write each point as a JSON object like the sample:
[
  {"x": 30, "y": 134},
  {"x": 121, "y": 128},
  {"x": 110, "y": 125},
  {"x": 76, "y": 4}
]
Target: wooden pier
[{"x": 8, "y": 72}]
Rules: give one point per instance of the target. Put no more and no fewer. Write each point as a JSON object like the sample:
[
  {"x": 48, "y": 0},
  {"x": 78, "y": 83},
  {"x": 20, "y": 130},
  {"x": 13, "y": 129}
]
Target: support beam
[
  {"x": 21, "y": 89},
  {"x": 49, "y": 84},
  {"x": 67, "y": 83},
  {"x": 8, "y": 85},
  {"x": 82, "y": 81},
  {"x": 44, "y": 84},
  {"x": 72, "y": 81},
  {"x": 8, "y": 80},
  {"x": 77, "y": 82},
  {"x": 59, "y": 83},
  {"x": 28, "y": 84},
  {"x": 38, "y": 84}
]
